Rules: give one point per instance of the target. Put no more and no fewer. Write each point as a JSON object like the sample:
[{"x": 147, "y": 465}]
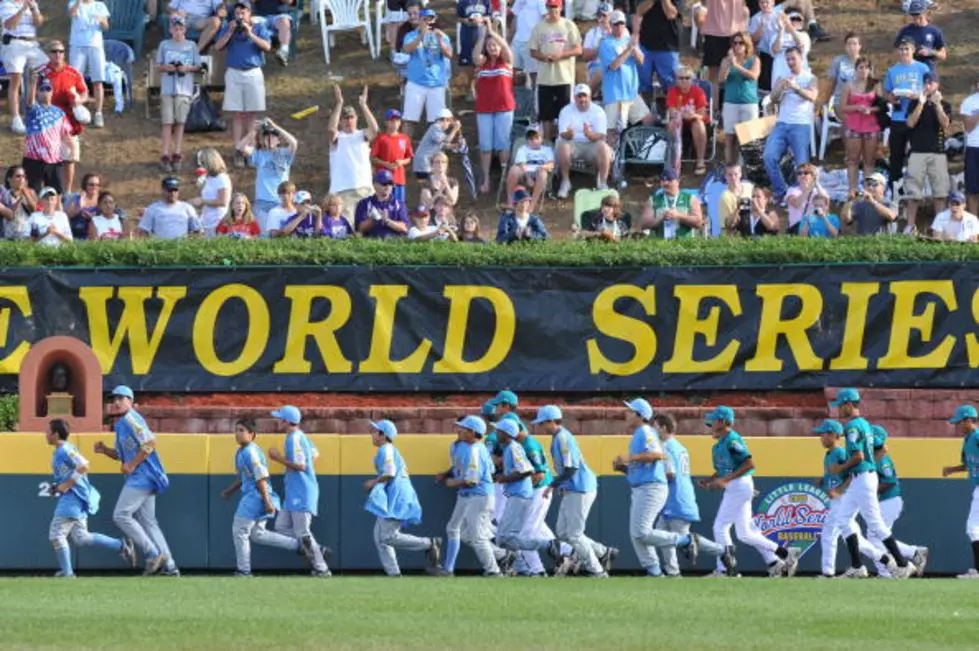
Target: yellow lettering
[
  {"x": 610, "y": 323},
  {"x": 689, "y": 325},
  {"x": 22, "y": 300},
  {"x": 205, "y": 330},
  {"x": 971, "y": 341},
  {"x": 132, "y": 323},
  {"x": 905, "y": 321},
  {"x": 851, "y": 353},
  {"x": 772, "y": 326},
  {"x": 461, "y": 298},
  {"x": 323, "y": 332},
  {"x": 379, "y": 359}
]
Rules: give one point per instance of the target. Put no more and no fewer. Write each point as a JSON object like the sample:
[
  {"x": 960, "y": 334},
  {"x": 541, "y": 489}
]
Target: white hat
[
  {"x": 582, "y": 89},
  {"x": 444, "y": 114},
  {"x": 617, "y": 18}
]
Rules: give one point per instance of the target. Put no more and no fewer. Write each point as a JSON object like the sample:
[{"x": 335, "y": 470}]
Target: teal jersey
[
  {"x": 833, "y": 480},
  {"x": 538, "y": 459},
  {"x": 728, "y": 453},
  {"x": 970, "y": 455},
  {"x": 886, "y": 474},
  {"x": 859, "y": 438}
]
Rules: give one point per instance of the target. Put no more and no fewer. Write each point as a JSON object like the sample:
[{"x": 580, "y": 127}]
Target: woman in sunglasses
[{"x": 739, "y": 71}]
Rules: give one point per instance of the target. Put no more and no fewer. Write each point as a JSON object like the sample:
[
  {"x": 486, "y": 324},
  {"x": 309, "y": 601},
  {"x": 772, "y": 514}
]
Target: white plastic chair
[
  {"x": 831, "y": 124},
  {"x": 348, "y": 15}
]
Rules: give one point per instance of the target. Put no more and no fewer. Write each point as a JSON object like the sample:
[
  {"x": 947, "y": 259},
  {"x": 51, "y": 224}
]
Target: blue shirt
[
  {"x": 728, "y": 453},
  {"x": 682, "y": 501},
  {"x": 477, "y": 468},
  {"x": 620, "y": 85},
  {"x": 645, "y": 439},
  {"x": 251, "y": 467},
  {"x": 833, "y": 480},
  {"x": 905, "y": 76},
  {"x": 927, "y": 36},
  {"x": 970, "y": 455},
  {"x": 817, "y": 228},
  {"x": 132, "y": 433},
  {"x": 515, "y": 460},
  {"x": 458, "y": 453},
  {"x": 302, "y": 489},
  {"x": 82, "y": 499},
  {"x": 394, "y": 499},
  {"x": 859, "y": 438},
  {"x": 428, "y": 66},
  {"x": 242, "y": 51},
  {"x": 887, "y": 474},
  {"x": 567, "y": 454},
  {"x": 271, "y": 169}
]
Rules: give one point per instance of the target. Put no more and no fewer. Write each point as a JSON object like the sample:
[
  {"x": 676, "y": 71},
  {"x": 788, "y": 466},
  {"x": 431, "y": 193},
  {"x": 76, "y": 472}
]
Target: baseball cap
[
  {"x": 427, "y": 13},
  {"x": 930, "y": 77},
  {"x": 669, "y": 174},
  {"x": 720, "y": 413},
  {"x": 829, "y": 426},
  {"x": 878, "y": 178},
  {"x": 582, "y": 89},
  {"x": 444, "y": 114},
  {"x": 392, "y": 114},
  {"x": 177, "y": 20},
  {"x": 303, "y": 196},
  {"x": 532, "y": 129},
  {"x": 47, "y": 192},
  {"x": 473, "y": 423},
  {"x": 844, "y": 396},
  {"x": 605, "y": 8},
  {"x": 546, "y": 413},
  {"x": 793, "y": 15},
  {"x": 44, "y": 86},
  {"x": 383, "y": 177},
  {"x": 519, "y": 195},
  {"x": 289, "y": 414},
  {"x": 516, "y": 419},
  {"x": 554, "y": 3},
  {"x": 916, "y": 7},
  {"x": 880, "y": 436},
  {"x": 505, "y": 397},
  {"x": 641, "y": 407},
  {"x": 906, "y": 41},
  {"x": 243, "y": 3},
  {"x": 170, "y": 183},
  {"x": 386, "y": 428},
  {"x": 509, "y": 427},
  {"x": 963, "y": 412},
  {"x": 617, "y": 18},
  {"x": 488, "y": 410},
  {"x": 956, "y": 197},
  {"x": 422, "y": 209},
  {"x": 125, "y": 392}
]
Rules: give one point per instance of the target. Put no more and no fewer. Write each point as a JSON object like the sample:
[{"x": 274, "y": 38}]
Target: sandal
[{"x": 700, "y": 170}]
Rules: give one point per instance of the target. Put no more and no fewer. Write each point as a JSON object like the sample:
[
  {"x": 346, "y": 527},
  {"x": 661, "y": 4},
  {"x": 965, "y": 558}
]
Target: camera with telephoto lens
[
  {"x": 239, "y": 25},
  {"x": 744, "y": 208},
  {"x": 177, "y": 72},
  {"x": 818, "y": 212},
  {"x": 268, "y": 129}
]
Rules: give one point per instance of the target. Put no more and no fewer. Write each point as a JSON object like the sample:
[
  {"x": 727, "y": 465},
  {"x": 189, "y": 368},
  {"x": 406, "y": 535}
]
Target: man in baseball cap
[
  {"x": 582, "y": 127},
  {"x": 966, "y": 421},
  {"x": 871, "y": 212},
  {"x": 955, "y": 222},
  {"x": 382, "y": 215}
]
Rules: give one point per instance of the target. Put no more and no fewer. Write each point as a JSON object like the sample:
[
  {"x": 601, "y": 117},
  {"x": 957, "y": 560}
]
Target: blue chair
[
  {"x": 127, "y": 22},
  {"x": 123, "y": 56}
]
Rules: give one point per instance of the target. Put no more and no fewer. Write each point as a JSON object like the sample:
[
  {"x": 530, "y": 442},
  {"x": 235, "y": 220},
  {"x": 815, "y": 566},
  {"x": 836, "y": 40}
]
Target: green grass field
[{"x": 473, "y": 613}]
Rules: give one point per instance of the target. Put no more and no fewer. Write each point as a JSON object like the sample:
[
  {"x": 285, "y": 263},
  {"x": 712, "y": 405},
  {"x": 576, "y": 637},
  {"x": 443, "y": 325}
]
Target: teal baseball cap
[
  {"x": 641, "y": 407},
  {"x": 880, "y": 436},
  {"x": 289, "y": 414},
  {"x": 488, "y": 410},
  {"x": 508, "y": 426},
  {"x": 546, "y": 413},
  {"x": 386, "y": 427},
  {"x": 720, "y": 413},
  {"x": 123, "y": 392},
  {"x": 473, "y": 423},
  {"x": 505, "y": 397},
  {"x": 845, "y": 396},
  {"x": 516, "y": 419},
  {"x": 829, "y": 426},
  {"x": 963, "y": 412}
]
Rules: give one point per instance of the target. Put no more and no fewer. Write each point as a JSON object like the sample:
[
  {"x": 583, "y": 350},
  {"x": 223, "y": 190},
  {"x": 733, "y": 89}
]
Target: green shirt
[
  {"x": 833, "y": 480},
  {"x": 738, "y": 89},
  {"x": 538, "y": 459},
  {"x": 888, "y": 475},
  {"x": 681, "y": 204},
  {"x": 859, "y": 438}
]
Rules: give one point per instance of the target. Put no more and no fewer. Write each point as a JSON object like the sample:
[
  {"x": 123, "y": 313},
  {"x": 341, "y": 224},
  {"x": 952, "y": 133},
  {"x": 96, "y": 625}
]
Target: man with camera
[
  {"x": 244, "y": 82},
  {"x": 871, "y": 212},
  {"x": 177, "y": 59},
  {"x": 271, "y": 150},
  {"x": 427, "y": 72},
  {"x": 204, "y": 16},
  {"x": 20, "y": 20}
]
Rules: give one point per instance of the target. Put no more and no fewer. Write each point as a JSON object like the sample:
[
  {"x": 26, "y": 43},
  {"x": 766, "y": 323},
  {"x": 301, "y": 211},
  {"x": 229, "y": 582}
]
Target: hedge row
[{"x": 634, "y": 253}]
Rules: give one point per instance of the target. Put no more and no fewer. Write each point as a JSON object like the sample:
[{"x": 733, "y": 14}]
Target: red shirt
[
  {"x": 494, "y": 87},
  {"x": 391, "y": 147},
  {"x": 250, "y": 230},
  {"x": 62, "y": 81},
  {"x": 677, "y": 99}
]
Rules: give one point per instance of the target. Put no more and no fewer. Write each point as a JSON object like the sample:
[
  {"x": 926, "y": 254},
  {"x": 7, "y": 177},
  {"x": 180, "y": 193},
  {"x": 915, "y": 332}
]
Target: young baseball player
[
  {"x": 505, "y": 403},
  {"x": 733, "y": 470},
  {"x": 258, "y": 502},
  {"x": 966, "y": 421},
  {"x": 392, "y": 498},
  {"x": 458, "y": 450},
  {"x": 861, "y": 494},
  {"x": 577, "y": 485},
  {"x": 77, "y": 499},
  {"x": 135, "y": 512},
  {"x": 301, "y": 488}
]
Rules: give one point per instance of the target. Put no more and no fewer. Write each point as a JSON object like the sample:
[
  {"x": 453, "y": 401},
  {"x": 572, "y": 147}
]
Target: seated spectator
[
  {"x": 48, "y": 136},
  {"x": 970, "y": 120},
  {"x": 108, "y": 222},
  {"x": 177, "y": 59},
  {"x": 350, "y": 150},
  {"x": 525, "y": 15},
  {"x": 686, "y": 109},
  {"x": 170, "y": 218},
  {"x": 735, "y": 196},
  {"x": 442, "y": 134},
  {"x": 790, "y": 36},
  {"x": 472, "y": 21},
  {"x": 871, "y": 212},
  {"x": 278, "y": 15},
  {"x": 532, "y": 167},
  {"x": 607, "y": 223},
  {"x": 494, "y": 100},
  {"x": 392, "y": 150},
  {"x": 382, "y": 215},
  {"x": 859, "y": 109},
  {"x": 740, "y": 70},
  {"x": 271, "y": 150},
  {"x": 286, "y": 212},
  {"x": 422, "y": 229},
  {"x": 49, "y": 226},
  {"x": 820, "y": 222},
  {"x": 427, "y": 72},
  {"x": 800, "y": 198},
  {"x": 336, "y": 225},
  {"x": 621, "y": 58},
  {"x": 17, "y": 202},
  {"x": 204, "y": 16},
  {"x": 589, "y": 46},
  {"x": 672, "y": 213},
  {"x": 470, "y": 230},
  {"x": 583, "y": 127},
  {"x": 518, "y": 224},
  {"x": 954, "y": 223},
  {"x": 795, "y": 94},
  {"x": 216, "y": 191},
  {"x": 443, "y": 214},
  {"x": 82, "y": 206},
  {"x": 929, "y": 41},
  {"x": 765, "y": 29},
  {"x": 753, "y": 218},
  {"x": 89, "y": 18},
  {"x": 928, "y": 121},
  {"x": 439, "y": 184},
  {"x": 844, "y": 66},
  {"x": 239, "y": 223}
]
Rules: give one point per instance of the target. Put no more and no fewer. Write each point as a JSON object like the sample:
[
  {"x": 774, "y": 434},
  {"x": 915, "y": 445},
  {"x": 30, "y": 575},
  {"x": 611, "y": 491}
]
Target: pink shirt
[
  {"x": 858, "y": 122},
  {"x": 724, "y": 17}
]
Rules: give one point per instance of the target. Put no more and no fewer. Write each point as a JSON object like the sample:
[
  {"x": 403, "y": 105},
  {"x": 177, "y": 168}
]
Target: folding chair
[
  {"x": 643, "y": 145},
  {"x": 128, "y": 23},
  {"x": 585, "y": 200},
  {"x": 687, "y": 147},
  {"x": 123, "y": 56}
]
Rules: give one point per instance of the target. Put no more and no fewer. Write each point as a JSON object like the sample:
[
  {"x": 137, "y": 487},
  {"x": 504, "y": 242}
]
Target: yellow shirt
[{"x": 553, "y": 38}]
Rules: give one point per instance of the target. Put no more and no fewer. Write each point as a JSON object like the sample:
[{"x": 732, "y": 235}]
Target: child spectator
[
  {"x": 820, "y": 222},
  {"x": 470, "y": 230},
  {"x": 336, "y": 225},
  {"x": 532, "y": 167},
  {"x": 107, "y": 222},
  {"x": 239, "y": 223},
  {"x": 392, "y": 150},
  {"x": 49, "y": 226},
  {"x": 177, "y": 59},
  {"x": 89, "y": 18},
  {"x": 285, "y": 211},
  {"x": 423, "y": 230},
  {"x": 440, "y": 135},
  {"x": 518, "y": 223}
]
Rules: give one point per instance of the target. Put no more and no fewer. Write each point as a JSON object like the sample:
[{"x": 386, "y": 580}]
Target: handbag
[{"x": 203, "y": 115}]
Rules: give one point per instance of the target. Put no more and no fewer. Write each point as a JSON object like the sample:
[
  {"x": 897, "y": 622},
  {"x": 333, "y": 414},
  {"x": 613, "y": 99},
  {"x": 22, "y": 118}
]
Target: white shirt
[
  {"x": 532, "y": 159},
  {"x": 960, "y": 231},
  {"x": 107, "y": 228},
  {"x": 25, "y": 28},
  {"x": 779, "y": 66},
  {"x": 527, "y": 14},
  {"x": 350, "y": 162},
  {"x": 211, "y": 216},
  {"x": 279, "y": 217},
  {"x": 86, "y": 31},
  {"x": 57, "y": 221},
  {"x": 770, "y": 33},
  {"x": 593, "y": 38},
  {"x": 971, "y": 107},
  {"x": 796, "y": 109},
  {"x": 571, "y": 117},
  {"x": 414, "y": 232}
]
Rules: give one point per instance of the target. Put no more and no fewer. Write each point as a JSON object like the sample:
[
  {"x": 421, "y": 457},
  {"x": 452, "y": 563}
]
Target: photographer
[
  {"x": 753, "y": 217},
  {"x": 928, "y": 122},
  {"x": 271, "y": 151},
  {"x": 733, "y": 198},
  {"x": 428, "y": 71},
  {"x": 244, "y": 82},
  {"x": 820, "y": 222},
  {"x": 871, "y": 213},
  {"x": 177, "y": 59}
]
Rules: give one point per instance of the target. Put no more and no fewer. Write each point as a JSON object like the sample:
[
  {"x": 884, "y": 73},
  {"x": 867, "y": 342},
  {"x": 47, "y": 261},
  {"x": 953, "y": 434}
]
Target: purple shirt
[
  {"x": 396, "y": 211},
  {"x": 337, "y": 229},
  {"x": 305, "y": 228}
]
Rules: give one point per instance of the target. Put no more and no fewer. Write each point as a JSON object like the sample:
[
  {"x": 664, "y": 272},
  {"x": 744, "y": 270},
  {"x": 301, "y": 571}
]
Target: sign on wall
[{"x": 793, "y": 515}]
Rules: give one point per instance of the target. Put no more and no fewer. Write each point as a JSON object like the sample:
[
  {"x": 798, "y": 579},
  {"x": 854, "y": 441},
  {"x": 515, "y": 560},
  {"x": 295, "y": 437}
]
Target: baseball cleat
[
  {"x": 434, "y": 554},
  {"x": 825, "y": 576},
  {"x": 905, "y": 572},
  {"x": 506, "y": 565},
  {"x": 608, "y": 558},
  {"x": 792, "y": 561},
  {"x": 692, "y": 549},
  {"x": 128, "y": 552},
  {"x": 155, "y": 564},
  {"x": 306, "y": 547},
  {"x": 564, "y": 566},
  {"x": 717, "y": 574},
  {"x": 856, "y": 573},
  {"x": 920, "y": 560},
  {"x": 321, "y": 574},
  {"x": 970, "y": 574},
  {"x": 777, "y": 569},
  {"x": 554, "y": 550},
  {"x": 728, "y": 559},
  {"x": 243, "y": 575}
]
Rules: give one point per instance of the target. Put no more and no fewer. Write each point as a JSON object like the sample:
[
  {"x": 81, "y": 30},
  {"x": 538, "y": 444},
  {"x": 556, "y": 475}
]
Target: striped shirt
[
  {"x": 494, "y": 87},
  {"x": 46, "y": 126},
  {"x": 25, "y": 28}
]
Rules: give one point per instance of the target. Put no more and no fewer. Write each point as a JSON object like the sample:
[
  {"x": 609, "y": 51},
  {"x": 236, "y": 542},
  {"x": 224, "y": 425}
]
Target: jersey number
[{"x": 44, "y": 489}]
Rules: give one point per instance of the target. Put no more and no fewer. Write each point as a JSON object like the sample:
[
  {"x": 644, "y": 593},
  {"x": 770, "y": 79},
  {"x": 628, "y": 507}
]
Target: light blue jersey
[
  {"x": 458, "y": 451},
  {"x": 729, "y": 453},
  {"x": 515, "y": 460},
  {"x": 682, "y": 501},
  {"x": 132, "y": 433},
  {"x": 478, "y": 468},
  {"x": 251, "y": 467},
  {"x": 567, "y": 454},
  {"x": 302, "y": 489},
  {"x": 887, "y": 474},
  {"x": 621, "y": 85},
  {"x": 82, "y": 500},
  {"x": 396, "y": 498},
  {"x": 645, "y": 439},
  {"x": 970, "y": 456},
  {"x": 859, "y": 438},
  {"x": 905, "y": 76},
  {"x": 833, "y": 480}
]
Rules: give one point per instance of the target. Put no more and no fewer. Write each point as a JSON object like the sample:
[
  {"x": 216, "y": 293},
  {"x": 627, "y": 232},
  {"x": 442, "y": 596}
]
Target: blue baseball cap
[
  {"x": 392, "y": 114},
  {"x": 289, "y": 414},
  {"x": 641, "y": 407},
  {"x": 916, "y": 7},
  {"x": 516, "y": 419},
  {"x": 720, "y": 413},
  {"x": 829, "y": 426},
  {"x": 384, "y": 177},
  {"x": 546, "y": 413},
  {"x": 488, "y": 410},
  {"x": 605, "y": 8},
  {"x": 385, "y": 427},
  {"x": 123, "y": 392},
  {"x": 44, "y": 85},
  {"x": 508, "y": 426},
  {"x": 474, "y": 424},
  {"x": 845, "y": 396},
  {"x": 520, "y": 195},
  {"x": 669, "y": 174},
  {"x": 427, "y": 13},
  {"x": 177, "y": 20},
  {"x": 505, "y": 397},
  {"x": 956, "y": 197},
  {"x": 963, "y": 412},
  {"x": 880, "y": 436}
]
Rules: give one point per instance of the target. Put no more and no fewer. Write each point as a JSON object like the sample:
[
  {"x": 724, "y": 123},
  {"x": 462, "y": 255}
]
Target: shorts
[
  {"x": 586, "y": 152},
  {"x": 735, "y": 114},
  {"x": 174, "y": 109},
  {"x": 422, "y": 176},
  {"x": 199, "y": 23},
  {"x": 521, "y": 57},
  {"x": 41, "y": 174},
  {"x": 244, "y": 90},
  {"x": 934, "y": 168},
  {"x": 663, "y": 63},
  {"x": 274, "y": 20},
  {"x": 551, "y": 99},
  {"x": 19, "y": 55},
  {"x": 71, "y": 149},
  {"x": 418, "y": 97},
  {"x": 90, "y": 61},
  {"x": 494, "y": 130},
  {"x": 972, "y": 170},
  {"x": 715, "y": 49},
  {"x": 634, "y": 112},
  {"x": 261, "y": 209},
  {"x": 861, "y": 135}
]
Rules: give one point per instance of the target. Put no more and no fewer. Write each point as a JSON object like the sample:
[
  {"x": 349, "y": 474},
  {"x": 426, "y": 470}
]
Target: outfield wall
[{"x": 197, "y": 522}]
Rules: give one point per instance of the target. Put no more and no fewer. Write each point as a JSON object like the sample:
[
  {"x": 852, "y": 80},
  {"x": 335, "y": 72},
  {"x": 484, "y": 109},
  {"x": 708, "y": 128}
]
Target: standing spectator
[
  {"x": 583, "y": 129},
  {"x": 672, "y": 213},
  {"x": 554, "y": 43},
  {"x": 808, "y": 11},
  {"x": 764, "y": 28},
  {"x": 392, "y": 150},
  {"x": 381, "y": 215},
  {"x": 170, "y": 218},
  {"x": 790, "y": 35},
  {"x": 737, "y": 194},
  {"x": 858, "y": 107},
  {"x": 439, "y": 185},
  {"x": 473, "y": 21},
  {"x": 82, "y": 206},
  {"x": 686, "y": 109},
  {"x": 48, "y": 135},
  {"x": 350, "y": 150},
  {"x": 427, "y": 72},
  {"x": 244, "y": 81},
  {"x": 795, "y": 94},
  {"x": 725, "y": 18},
  {"x": 584, "y": 10},
  {"x": 495, "y": 101},
  {"x": 871, "y": 213},
  {"x": 621, "y": 58},
  {"x": 929, "y": 41},
  {"x": 107, "y": 222},
  {"x": 844, "y": 66},
  {"x": 607, "y": 223},
  {"x": 740, "y": 71},
  {"x": 442, "y": 134},
  {"x": 336, "y": 225},
  {"x": 955, "y": 223},
  {"x": 395, "y": 16},
  {"x": 69, "y": 91},
  {"x": 49, "y": 226},
  {"x": 216, "y": 191},
  {"x": 414, "y": 19},
  {"x": 532, "y": 167},
  {"x": 19, "y": 201},
  {"x": 659, "y": 24},
  {"x": 755, "y": 219},
  {"x": 89, "y": 18},
  {"x": 928, "y": 120},
  {"x": 970, "y": 120},
  {"x": 278, "y": 14},
  {"x": 470, "y": 230},
  {"x": 271, "y": 150},
  {"x": 526, "y": 14},
  {"x": 801, "y": 198},
  {"x": 177, "y": 59},
  {"x": 589, "y": 47},
  {"x": 204, "y": 16},
  {"x": 903, "y": 82},
  {"x": 519, "y": 224},
  {"x": 820, "y": 222},
  {"x": 239, "y": 223},
  {"x": 20, "y": 19}
]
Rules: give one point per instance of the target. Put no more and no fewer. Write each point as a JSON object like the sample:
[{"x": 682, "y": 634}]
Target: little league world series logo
[{"x": 793, "y": 515}]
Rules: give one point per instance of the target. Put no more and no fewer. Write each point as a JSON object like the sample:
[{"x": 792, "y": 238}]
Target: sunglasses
[
  {"x": 56, "y": 51},
  {"x": 872, "y": 184},
  {"x": 171, "y": 189},
  {"x": 388, "y": 184},
  {"x": 803, "y": 173},
  {"x": 738, "y": 42}
]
